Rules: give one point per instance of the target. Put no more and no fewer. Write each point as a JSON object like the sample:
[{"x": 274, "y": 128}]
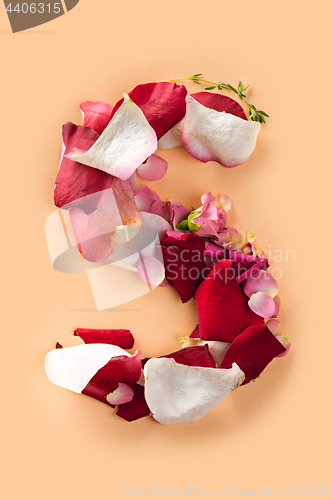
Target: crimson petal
[
  {"x": 184, "y": 263},
  {"x": 135, "y": 409},
  {"x": 96, "y": 115},
  {"x": 121, "y": 338},
  {"x": 222, "y": 305},
  {"x": 76, "y": 181},
  {"x": 162, "y": 103},
  {"x": 193, "y": 356},
  {"x": 126, "y": 369},
  {"x": 220, "y": 103},
  {"x": 252, "y": 351}
]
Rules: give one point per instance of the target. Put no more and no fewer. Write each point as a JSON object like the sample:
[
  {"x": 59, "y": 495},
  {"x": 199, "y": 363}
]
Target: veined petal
[
  {"x": 120, "y": 338},
  {"x": 123, "y": 394},
  {"x": 153, "y": 169},
  {"x": 210, "y": 135},
  {"x": 125, "y": 143},
  {"x": 96, "y": 115},
  {"x": 178, "y": 393},
  {"x": 261, "y": 281},
  {"x": 262, "y": 304}
]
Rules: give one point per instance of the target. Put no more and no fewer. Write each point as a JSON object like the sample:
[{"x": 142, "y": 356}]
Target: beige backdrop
[{"x": 274, "y": 432}]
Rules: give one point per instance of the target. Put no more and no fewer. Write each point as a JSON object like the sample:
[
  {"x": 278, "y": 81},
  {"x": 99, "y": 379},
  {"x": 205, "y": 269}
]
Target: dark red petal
[
  {"x": 121, "y": 338},
  {"x": 196, "y": 333},
  {"x": 58, "y": 346},
  {"x": 75, "y": 181},
  {"x": 223, "y": 306},
  {"x": 137, "y": 408},
  {"x": 126, "y": 369},
  {"x": 184, "y": 263},
  {"x": 96, "y": 115},
  {"x": 243, "y": 263},
  {"x": 162, "y": 103},
  {"x": 198, "y": 355},
  {"x": 252, "y": 351},
  {"x": 220, "y": 103}
]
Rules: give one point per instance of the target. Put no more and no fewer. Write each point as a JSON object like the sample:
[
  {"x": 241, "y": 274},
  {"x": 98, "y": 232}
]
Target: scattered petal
[
  {"x": 135, "y": 409},
  {"x": 120, "y": 338},
  {"x": 156, "y": 222},
  {"x": 220, "y": 102},
  {"x": 173, "y": 137},
  {"x": 178, "y": 393},
  {"x": 149, "y": 201},
  {"x": 286, "y": 344},
  {"x": 225, "y": 202},
  {"x": 197, "y": 355},
  {"x": 122, "y": 147},
  {"x": 151, "y": 270},
  {"x": 261, "y": 281},
  {"x": 123, "y": 394},
  {"x": 272, "y": 324},
  {"x": 153, "y": 169},
  {"x": 209, "y": 135},
  {"x": 96, "y": 115},
  {"x": 262, "y": 304},
  {"x": 252, "y": 351}
]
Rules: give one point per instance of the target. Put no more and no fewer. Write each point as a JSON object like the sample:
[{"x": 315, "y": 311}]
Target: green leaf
[
  {"x": 210, "y": 88},
  {"x": 263, "y": 113},
  {"x": 232, "y": 88},
  {"x": 240, "y": 87}
]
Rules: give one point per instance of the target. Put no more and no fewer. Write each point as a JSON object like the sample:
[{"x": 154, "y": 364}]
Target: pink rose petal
[
  {"x": 155, "y": 222},
  {"x": 135, "y": 409},
  {"x": 96, "y": 115},
  {"x": 122, "y": 147},
  {"x": 272, "y": 324},
  {"x": 286, "y": 344},
  {"x": 151, "y": 270},
  {"x": 210, "y": 135},
  {"x": 123, "y": 394},
  {"x": 149, "y": 201},
  {"x": 153, "y": 169},
  {"x": 262, "y": 304},
  {"x": 261, "y": 281}
]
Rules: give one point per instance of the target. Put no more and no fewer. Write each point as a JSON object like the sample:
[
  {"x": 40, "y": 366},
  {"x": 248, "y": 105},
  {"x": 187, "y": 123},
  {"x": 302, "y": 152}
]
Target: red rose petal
[
  {"x": 223, "y": 306},
  {"x": 76, "y": 181},
  {"x": 96, "y": 115},
  {"x": 162, "y": 103},
  {"x": 184, "y": 263},
  {"x": 252, "y": 351},
  {"x": 220, "y": 103},
  {"x": 126, "y": 369},
  {"x": 198, "y": 355},
  {"x": 121, "y": 338},
  {"x": 135, "y": 409}
]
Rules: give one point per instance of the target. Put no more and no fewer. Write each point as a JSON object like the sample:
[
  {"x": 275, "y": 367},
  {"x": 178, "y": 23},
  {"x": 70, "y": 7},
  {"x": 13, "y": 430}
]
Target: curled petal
[
  {"x": 220, "y": 102},
  {"x": 96, "y": 115},
  {"x": 178, "y": 393},
  {"x": 225, "y": 202},
  {"x": 261, "y": 281},
  {"x": 252, "y": 351},
  {"x": 153, "y": 169},
  {"x": 123, "y": 394},
  {"x": 286, "y": 344},
  {"x": 151, "y": 270},
  {"x": 135, "y": 409},
  {"x": 210, "y": 135},
  {"x": 262, "y": 304},
  {"x": 162, "y": 103},
  {"x": 178, "y": 213},
  {"x": 149, "y": 201},
  {"x": 78, "y": 185},
  {"x": 277, "y": 303},
  {"x": 122, "y": 147},
  {"x": 197, "y": 355},
  {"x": 272, "y": 324},
  {"x": 156, "y": 222},
  {"x": 120, "y": 338}
]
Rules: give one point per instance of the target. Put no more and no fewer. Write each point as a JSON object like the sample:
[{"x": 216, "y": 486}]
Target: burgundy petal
[
  {"x": 184, "y": 263},
  {"x": 252, "y": 351},
  {"x": 137, "y": 408},
  {"x": 220, "y": 103},
  {"x": 126, "y": 369},
  {"x": 193, "y": 356},
  {"x": 121, "y": 338},
  {"x": 223, "y": 306},
  {"x": 196, "y": 333},
  {"x": 162, "y": 103},
  {"x": 96, "y": 115},
  {"x": 245, "y": 264},
  {"x": 76, "y": 181}
]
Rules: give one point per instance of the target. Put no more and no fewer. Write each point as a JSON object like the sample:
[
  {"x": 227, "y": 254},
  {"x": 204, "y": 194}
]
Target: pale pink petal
[
  {"x": 250, "y": 236},
  {"x": 261, "y": 281},
  {"x": 153, "y": 169},
  {"x": 125, "y": 143},
  {"x": 262, "y": 304},
  {"x": 272, "y": 324},
  {"x": 178, "y": 213},
  {"x": 149, "y": 201},
  {"x": 156, "y": 222},
  {"x": 210, "y": 135},
  {"x": 172, "y": 138},
  {"x": 286, "y": 344},
  {"x": 151, "y": 270},
  {"x": 74, "y": 367},
  {"x": 135, "y": 184},
  {"x": 225, "y": 202},
  {"x": 123, "y": 394},
  {"x": 277, "y": 303},
  {"x": 177, "y": 393}
]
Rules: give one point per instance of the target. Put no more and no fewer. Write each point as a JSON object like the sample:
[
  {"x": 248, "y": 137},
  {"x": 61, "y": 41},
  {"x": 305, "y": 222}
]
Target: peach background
[{"x": 276, "y": 431}]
